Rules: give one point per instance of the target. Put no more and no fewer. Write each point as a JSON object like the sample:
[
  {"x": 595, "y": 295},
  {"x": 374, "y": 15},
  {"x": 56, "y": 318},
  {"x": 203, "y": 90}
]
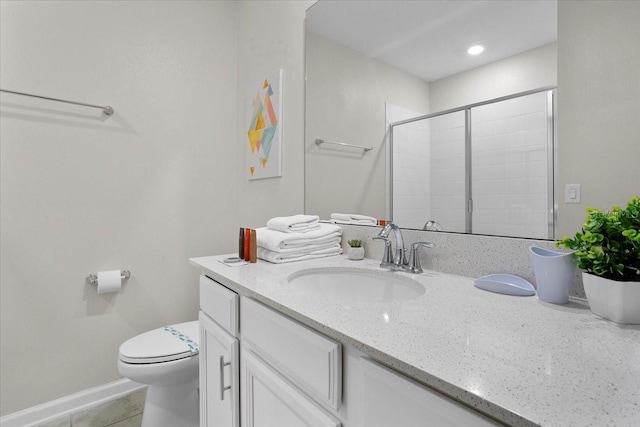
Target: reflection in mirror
[
  {"x": 483, "y": 169},
  {"x": 357, "y": 54}
]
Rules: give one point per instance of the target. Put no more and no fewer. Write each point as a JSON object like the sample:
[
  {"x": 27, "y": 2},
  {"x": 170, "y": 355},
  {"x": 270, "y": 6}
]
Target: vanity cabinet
[
  {"x": 287, "y": 369},
  {"x": 391, "y": 399},
  {"x": 289, "y": 375},
  {"x": 270, "y": 400},
  {"x": 219, "y": 356},
  {"x": 311, "y": 361}
]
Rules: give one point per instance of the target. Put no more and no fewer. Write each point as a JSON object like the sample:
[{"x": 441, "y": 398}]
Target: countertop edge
[{"x": 476, "y": 403}]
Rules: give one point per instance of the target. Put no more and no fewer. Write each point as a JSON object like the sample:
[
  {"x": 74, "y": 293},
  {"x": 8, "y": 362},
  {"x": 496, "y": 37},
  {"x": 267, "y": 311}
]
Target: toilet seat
[{"x": 162, "y": 345}]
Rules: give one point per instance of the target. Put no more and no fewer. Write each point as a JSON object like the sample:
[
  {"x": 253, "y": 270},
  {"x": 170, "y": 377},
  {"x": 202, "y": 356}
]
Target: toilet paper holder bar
[{"x": 92, "y": 279}]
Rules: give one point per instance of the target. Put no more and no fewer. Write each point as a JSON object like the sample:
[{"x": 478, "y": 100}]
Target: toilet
[{"x": 166, "y": 359}]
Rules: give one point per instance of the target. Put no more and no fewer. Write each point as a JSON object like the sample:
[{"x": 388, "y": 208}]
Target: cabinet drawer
[
  {"x": 219, "y": 303},
  {"x": 308, "y": 359}
]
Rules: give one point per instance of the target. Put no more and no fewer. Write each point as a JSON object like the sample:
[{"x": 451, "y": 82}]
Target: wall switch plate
[{"x": 572, "y": 193}]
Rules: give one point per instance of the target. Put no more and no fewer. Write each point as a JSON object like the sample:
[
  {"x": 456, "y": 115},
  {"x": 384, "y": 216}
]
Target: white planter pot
[
  {"x": 355, "y": 254},
  {"x": 613, "y": 300}
]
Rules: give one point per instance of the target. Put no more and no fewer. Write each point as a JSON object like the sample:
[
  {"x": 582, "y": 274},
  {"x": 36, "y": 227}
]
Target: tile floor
[{"x": 123, "y": 412}]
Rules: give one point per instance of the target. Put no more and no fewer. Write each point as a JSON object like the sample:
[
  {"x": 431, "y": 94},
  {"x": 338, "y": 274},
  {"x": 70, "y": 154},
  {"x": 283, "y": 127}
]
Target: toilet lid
[{"x": 163, "y": 344}]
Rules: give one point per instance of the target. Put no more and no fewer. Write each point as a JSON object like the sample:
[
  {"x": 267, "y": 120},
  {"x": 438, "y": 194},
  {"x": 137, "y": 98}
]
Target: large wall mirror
[{"x": 439, "y": 127}]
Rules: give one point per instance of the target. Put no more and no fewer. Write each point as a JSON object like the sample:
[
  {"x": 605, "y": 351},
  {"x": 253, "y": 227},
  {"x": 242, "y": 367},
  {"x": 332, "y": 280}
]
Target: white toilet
[{"x": 167, "y": 360}]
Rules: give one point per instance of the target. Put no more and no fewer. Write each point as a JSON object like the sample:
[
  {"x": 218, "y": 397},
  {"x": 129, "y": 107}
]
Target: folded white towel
[
  {"x": 323, "y": 244},
  {"x": 352, "y": 217},
  {"x": 353, "y": 222},
  {"x": 276, "y": 240},
  {"x": 294, "y": 224},
  {"x": 279, "y": 258}
]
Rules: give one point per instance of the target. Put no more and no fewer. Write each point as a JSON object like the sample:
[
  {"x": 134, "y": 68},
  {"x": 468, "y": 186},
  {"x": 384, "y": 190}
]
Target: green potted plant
[
  {"x": 607, "y": 249},
  {"x": 355, "y": 251}
]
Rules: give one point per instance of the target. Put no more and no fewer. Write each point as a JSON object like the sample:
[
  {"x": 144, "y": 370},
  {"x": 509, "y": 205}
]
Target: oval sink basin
[{"x": 356, "y": 284}]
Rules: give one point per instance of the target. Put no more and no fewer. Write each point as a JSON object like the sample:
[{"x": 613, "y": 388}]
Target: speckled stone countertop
[{"x": 519, "y": 360}]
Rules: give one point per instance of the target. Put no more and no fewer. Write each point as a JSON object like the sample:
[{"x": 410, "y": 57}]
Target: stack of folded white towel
[
  {"x": 353, "y": 219},
  {"x": 296, "y": 238}
]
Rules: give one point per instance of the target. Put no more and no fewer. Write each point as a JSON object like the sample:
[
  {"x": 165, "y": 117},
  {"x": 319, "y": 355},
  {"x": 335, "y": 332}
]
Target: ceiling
[{"x": 430, "y": 38}]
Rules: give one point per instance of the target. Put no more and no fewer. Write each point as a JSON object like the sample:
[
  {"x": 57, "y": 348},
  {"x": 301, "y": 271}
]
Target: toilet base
[{"x": 172, "y": 405}]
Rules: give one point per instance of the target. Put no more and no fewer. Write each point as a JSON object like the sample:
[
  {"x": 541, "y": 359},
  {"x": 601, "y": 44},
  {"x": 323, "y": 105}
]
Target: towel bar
[
  {"x": 107, "y": 109},
  {"x": 344, "y": 144}
]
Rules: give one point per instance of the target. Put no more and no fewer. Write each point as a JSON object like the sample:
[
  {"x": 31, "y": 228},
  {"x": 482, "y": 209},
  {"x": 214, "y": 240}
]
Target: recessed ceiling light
[{"x": 475, "y": 50}]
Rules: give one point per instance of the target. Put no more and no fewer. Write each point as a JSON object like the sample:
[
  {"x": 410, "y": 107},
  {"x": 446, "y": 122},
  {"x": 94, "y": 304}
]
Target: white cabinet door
[
  {"x": 219, "y": 376},
  {"x": 269, "y": 401},
  {"x": 311, "y": 361},
  {"x": 390, "y": 399}
]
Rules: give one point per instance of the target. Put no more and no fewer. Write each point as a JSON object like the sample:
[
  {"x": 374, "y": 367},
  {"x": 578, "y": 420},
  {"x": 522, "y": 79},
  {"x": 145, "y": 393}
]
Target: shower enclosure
[{"x": 485, "y": 168}]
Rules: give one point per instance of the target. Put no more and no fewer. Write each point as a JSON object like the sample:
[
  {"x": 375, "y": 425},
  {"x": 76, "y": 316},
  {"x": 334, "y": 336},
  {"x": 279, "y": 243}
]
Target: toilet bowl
[{"x": 166, "y": 359}]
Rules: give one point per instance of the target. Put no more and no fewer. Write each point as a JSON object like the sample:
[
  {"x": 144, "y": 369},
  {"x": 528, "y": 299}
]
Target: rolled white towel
[
  {"x": 353, "y": 217},
  {"x": 276, "y": 240},
  {"x": 295, "y": 223},
  {"x": 278, "y": 258}
]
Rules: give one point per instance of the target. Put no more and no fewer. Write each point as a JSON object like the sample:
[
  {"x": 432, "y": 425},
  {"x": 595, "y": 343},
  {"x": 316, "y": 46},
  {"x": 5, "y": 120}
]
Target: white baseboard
[{"x": 70, "y": 404}]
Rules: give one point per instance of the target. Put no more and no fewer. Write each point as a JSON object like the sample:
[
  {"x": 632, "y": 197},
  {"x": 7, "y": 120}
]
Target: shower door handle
[{"x": 222, "y": 386}]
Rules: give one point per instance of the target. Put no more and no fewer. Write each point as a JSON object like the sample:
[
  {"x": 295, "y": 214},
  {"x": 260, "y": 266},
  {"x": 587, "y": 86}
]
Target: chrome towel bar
[
  {"x": 344, "y": 144},
  {"x": 107, "y": 109}
]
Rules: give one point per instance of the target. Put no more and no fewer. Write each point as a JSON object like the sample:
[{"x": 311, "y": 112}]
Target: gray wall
[
  {"x": 533, "y": 69},
  {"x": 347, "y": 92},
  {"x": 271, "y": 37},
  {"x": 598, "y": 104},
  {"x": 145, "y": 189}
]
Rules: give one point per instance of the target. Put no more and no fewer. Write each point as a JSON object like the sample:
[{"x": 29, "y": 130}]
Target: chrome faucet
[
  {"x": 432, "y": 225},
  {"x": 414, "y": 263},
  {"x": 399, "y": 260}
]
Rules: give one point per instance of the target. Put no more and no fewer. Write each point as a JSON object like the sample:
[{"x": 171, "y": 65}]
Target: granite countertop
[{"x": 519, "y": 360}]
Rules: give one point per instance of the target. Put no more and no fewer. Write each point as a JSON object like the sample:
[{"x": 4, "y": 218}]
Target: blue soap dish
[{"x": 508, "y": 284}]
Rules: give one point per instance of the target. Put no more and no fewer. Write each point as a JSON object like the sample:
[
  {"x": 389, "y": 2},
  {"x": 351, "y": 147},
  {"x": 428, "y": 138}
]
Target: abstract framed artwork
[{"x": 264, "y": 133}]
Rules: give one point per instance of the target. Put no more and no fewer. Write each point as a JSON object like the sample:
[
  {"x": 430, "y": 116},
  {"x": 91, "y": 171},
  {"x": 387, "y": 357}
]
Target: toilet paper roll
[{"x": 109, "y": 281}]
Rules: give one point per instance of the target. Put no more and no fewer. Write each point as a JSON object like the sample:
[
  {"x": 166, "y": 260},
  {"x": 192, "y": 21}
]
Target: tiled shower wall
[
  {"x": 509, "y": 157},
  {"x": 411, "y": 179},
  {"x": 509, "y": 172},
  {"x": 447, "y": 169}
]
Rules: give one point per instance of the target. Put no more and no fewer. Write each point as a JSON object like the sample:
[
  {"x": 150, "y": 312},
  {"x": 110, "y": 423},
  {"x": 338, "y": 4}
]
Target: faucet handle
[
  {"x": 414, "y": 261},
  {"x": 387, "y": 259}
]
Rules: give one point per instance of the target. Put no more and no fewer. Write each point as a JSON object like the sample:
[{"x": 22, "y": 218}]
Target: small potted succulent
[
  {"x": 607, "y": 249},
  {"x": 355, "y": 251}
]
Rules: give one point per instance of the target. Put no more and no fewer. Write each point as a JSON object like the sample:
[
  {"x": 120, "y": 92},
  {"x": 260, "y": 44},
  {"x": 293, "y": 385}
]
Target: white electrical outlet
[{"x": 572, "y": 193}]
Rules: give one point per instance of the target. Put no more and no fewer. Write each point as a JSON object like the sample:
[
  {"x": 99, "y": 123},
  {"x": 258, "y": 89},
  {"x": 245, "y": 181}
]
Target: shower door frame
[{"x": 552, "y": 138}]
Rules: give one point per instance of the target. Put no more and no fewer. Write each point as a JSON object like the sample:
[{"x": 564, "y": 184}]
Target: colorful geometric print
[{"x": 263, "y": 125}]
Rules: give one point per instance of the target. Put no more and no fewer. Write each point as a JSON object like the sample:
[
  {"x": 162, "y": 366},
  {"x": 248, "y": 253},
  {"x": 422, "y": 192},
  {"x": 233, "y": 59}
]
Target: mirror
[{"x": 370, "y": 64}]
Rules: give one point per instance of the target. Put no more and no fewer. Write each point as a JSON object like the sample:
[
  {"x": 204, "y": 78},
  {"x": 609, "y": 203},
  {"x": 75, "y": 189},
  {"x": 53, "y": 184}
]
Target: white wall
[
  {"x": 142, "y": 190},
  {"x": 349, "y": 91},
  {"x": 533, "y": 69},
  {"x": 271, "y": 37},
  {"x": 599, "y": 105}
]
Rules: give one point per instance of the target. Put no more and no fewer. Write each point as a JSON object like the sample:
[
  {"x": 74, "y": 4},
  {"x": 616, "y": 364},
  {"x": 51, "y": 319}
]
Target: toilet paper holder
[{"x": 92, "y": 279}]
